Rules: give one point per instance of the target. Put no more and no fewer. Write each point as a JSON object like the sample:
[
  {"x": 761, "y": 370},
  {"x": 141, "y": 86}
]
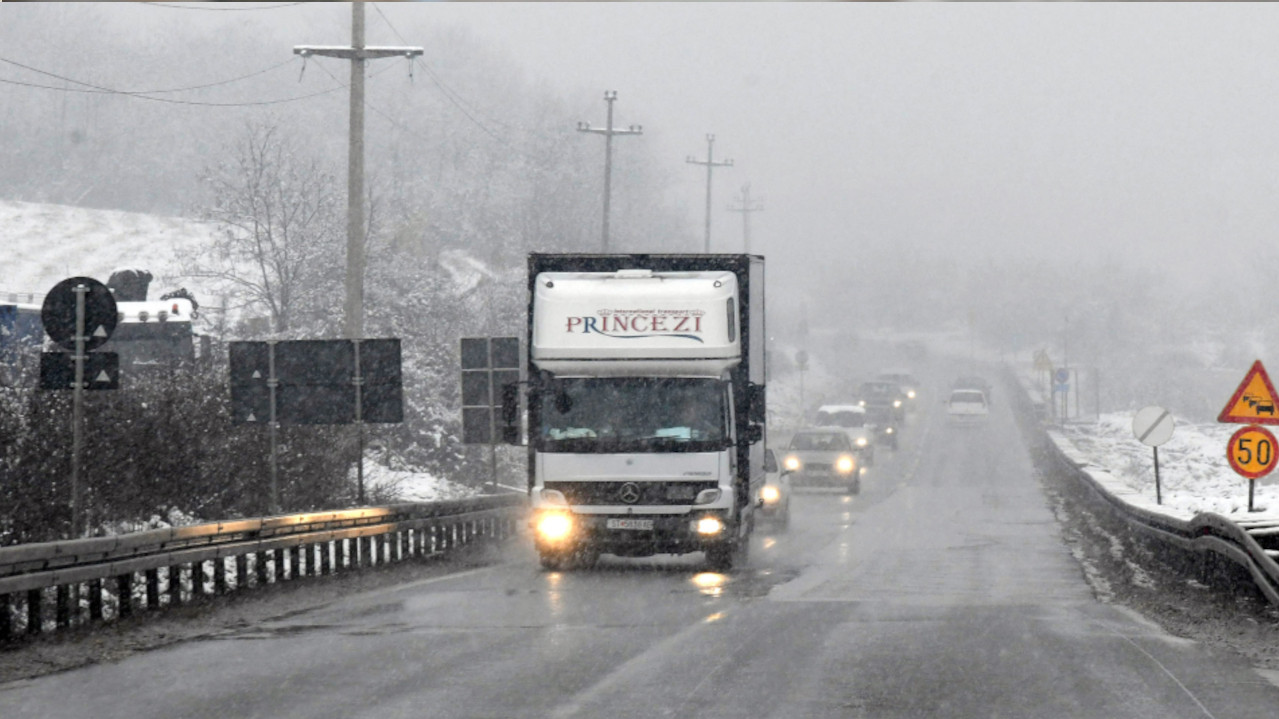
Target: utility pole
[
  {"x": 710, "y": 165},
  {"x": 610, "y": 96},
  {"x": 746, "y": 209},
  {"x": 357, "y": 53}
]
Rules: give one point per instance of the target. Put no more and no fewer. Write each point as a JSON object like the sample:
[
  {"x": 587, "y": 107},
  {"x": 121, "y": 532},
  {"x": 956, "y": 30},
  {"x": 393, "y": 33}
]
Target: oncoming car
[
  {"x": 852, "y": 418},
  {"x": 967, "y": 406},
  {"x": 774, "y": 496},
  {"x": 905, "y": 379},
  {"x": 823, "y": 457}
]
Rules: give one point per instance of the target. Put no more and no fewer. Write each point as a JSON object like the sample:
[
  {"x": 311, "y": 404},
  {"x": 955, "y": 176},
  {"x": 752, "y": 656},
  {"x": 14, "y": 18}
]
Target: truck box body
[{"x": 646, "y": 388}]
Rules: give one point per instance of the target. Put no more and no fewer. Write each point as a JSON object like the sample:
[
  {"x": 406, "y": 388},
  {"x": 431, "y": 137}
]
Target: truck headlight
[
  {"x": 554, "y": 526},
  {"x": 845, "y": 464},
  {"x": 770, "y": 494},
  {"x": 706, "y": 496},
  {"x": 792, "y": 463},
  {"x": 709, "y": 525}
]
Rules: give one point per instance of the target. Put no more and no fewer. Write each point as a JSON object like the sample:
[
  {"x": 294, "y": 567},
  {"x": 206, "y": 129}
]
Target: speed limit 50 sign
[{"x": 1251, "y": 451}]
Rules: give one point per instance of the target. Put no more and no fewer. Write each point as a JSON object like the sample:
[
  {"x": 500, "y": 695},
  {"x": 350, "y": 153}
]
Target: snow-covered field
[
  {"x": 45, "y": 244},
  {"x": 1194, "y": 474}
]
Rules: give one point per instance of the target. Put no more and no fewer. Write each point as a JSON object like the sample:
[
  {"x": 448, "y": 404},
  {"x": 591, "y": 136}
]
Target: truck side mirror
[
  {"x": 757, "y": 408},
  {"x": 753, "y": 433}
]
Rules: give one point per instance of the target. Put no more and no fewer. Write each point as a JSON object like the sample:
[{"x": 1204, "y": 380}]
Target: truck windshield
[{"x": 634, "y": 414}]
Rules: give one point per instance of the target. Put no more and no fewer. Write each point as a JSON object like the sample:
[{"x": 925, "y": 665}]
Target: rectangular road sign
[{"x": 101, "y": 370}]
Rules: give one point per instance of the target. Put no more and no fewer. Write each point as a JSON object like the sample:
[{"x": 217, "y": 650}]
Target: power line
[
  {"x": 142, "y": 95},
  {"x": 257, "y": 6},
  {"x": 146, "y": 92}
]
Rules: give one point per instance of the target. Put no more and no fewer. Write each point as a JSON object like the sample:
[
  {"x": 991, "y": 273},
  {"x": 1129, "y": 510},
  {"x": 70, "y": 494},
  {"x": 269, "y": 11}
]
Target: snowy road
[{"x": 942, "y": 590}]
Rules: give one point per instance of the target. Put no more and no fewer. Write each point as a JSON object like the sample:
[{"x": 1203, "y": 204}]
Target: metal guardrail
[
  {"x": 1252, "y": 545},
  {"x": 98, "y": 579}
]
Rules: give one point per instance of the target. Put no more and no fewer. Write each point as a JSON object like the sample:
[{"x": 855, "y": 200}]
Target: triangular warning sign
[
  {"x": 257, "y": 375},
  {"x": 1254, "y": 401},
  {"x": 251, "y": 418},
  {"x": 102, "y": 377},
  {"x": 101, "y": 332}
]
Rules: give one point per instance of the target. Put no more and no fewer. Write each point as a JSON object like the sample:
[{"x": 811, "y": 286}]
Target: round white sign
[{"x": 1153, "y": 425}]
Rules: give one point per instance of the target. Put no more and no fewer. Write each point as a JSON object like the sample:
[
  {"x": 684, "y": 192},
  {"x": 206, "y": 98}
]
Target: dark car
[
  {"x": 904, "y": 379},
  {"x": 882, "y": 425},
  {"x": 880, "y": 393}
]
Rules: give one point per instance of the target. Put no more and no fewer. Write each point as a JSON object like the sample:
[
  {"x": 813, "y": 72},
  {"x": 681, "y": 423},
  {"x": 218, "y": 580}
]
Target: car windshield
[
  {"x": 819, "y": 441},
  {"x": 633, "y": 414},
  {"x": 842, "y": 417},
  {"x": 965, "y": 397}
]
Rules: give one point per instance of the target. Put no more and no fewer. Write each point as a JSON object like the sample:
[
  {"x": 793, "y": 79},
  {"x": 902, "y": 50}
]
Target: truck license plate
[{"x": 629, "y": 524}]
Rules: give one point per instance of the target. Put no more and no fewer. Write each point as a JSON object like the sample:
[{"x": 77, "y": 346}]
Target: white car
[
  {"x": 852, "y": 418},
  {"x": 967, "y": 406},
  {"x": 774, "y": 496}
]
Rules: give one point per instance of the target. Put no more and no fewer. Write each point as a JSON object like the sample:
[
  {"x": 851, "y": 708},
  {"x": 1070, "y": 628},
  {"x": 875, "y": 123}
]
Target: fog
[{"x": 1019, "y": 170}]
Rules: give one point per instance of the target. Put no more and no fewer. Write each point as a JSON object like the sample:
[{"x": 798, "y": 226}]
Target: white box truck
[{"x": 645, "y": 405}]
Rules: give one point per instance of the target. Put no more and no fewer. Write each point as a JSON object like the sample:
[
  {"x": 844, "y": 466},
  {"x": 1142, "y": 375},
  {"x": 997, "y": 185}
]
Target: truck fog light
[
  {"x": 709, "y": 525},
  {"x": 555, "y": 497},
  {"x": 554, "y": 527},
  {"x": 770, "y": 494},
  {"x": 845, "y": 464},
  {"x": 706, "y": 496}
]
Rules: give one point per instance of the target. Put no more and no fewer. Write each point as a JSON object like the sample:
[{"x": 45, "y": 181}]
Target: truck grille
[{"x": 650, "y": 492}]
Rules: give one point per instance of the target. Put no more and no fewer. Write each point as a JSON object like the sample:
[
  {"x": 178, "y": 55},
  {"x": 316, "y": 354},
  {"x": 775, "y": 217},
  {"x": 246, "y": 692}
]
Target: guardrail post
[
  {"x": 386, "y": 547},
  {"x": 95, "y": 600},
  {"x": 124, "y": 595},
  {"x": 153, "y": 589},
  {"x": 175, "y": 585},
  {"x": 241, "y": 572},
  {"x": 34, "y": 620},
  {"x": 62, "y": 606},
  {"x": 219, "y": 575}
]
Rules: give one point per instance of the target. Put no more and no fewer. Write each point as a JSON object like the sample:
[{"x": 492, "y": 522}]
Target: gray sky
[{"x": 1139, "y": 131}]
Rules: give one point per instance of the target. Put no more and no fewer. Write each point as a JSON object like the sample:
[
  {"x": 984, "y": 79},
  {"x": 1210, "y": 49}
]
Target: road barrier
[
  {"x": 98, "y": 579},
  {"x": 1252, "y": 545}
]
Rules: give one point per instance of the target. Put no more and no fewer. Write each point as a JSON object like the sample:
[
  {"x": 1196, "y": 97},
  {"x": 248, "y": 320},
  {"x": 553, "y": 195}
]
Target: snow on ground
[
  {"x": 407, "y": 484},
  {"x": 1194, "y": 474},
  {"x": 45, "y": 244}
]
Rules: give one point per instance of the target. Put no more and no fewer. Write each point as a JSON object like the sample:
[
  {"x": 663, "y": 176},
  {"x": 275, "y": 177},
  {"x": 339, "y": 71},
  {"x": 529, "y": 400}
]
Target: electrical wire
[
  {"x": 151, "y": 92},
  {"x": 258, "y": 6}
]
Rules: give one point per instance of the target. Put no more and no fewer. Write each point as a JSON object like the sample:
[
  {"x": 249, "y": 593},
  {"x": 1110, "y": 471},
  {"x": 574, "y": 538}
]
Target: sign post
[
  {"x": 1152, "y": 426},
  {"x": 70, "y": 309},
  {"x": 1251, "y": 450}
]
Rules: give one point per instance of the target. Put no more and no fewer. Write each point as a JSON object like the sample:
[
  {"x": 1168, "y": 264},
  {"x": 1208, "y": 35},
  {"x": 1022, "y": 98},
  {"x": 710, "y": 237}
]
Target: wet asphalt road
[{"x": 942, "y": 590}]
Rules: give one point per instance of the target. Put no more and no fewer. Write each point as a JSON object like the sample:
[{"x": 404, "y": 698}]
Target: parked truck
[{"x": 645, "y": 404}]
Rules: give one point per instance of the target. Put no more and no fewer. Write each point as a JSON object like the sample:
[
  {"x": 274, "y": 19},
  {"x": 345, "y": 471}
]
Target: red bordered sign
[
  {"x": 1254, "y": 401},
  {"x": 1251, "y": 451}
]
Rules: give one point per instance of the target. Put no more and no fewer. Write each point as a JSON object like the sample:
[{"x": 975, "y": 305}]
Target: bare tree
[{"x": 279, "y": 220}]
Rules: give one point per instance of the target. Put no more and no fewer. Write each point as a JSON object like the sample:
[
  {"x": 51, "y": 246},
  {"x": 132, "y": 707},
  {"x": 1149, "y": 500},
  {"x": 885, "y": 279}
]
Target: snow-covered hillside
[{"x": 45, "y": 244}]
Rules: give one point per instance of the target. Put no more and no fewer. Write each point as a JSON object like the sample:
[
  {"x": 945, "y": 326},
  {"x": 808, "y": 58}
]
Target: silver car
[{"x": 823, "y": 457}]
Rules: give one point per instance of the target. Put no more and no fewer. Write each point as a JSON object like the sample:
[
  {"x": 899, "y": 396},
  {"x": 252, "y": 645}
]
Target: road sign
[
  {"x": 59, "y": 313},
  {"x": 1254, "y": 401},
  {"x": 1153, "y": 425},
  {"x": 1042, "y": 363},
  {"x": 1062, "y": 375},
  {"x": 101, "y": 371},
  {"x": 489, "y": 366},
  {"x": 314, "y": 381},
  {"x": 1251, "y": 451}
]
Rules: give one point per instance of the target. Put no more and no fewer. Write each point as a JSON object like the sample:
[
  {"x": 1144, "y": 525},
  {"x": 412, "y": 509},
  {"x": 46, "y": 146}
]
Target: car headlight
[
  {"x": 888, "y": 430},
  {"x": 861, "y": 441},
  {"x": 554, "y": 526},
  {"x": 861, "y": 403},
  {"x": 770, "y": 494},
  {"x": 706, "y": 496},
  {"x": 792, "y": 463},
  {"x": 897, "y": 403},
  {"x": 911, "y": 394},
  {"x": 845, "y": 464}
]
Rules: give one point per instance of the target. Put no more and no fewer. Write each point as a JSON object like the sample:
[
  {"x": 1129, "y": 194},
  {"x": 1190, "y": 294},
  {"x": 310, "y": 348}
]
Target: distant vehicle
[
  {"x": 882, "y": 425},
  {"x": 21, "y": 335},
  {"x": 882, "y": 393},
  {"x": 774, "y": 496},
  {"x": 967, "y": 406},
  {"x": 150, "y": 335},
  {"x": 851, "y": 417},
  {"x": 973, "y": 382},
  {"x": 904, "y": 379},
  {"x": 823, "y": 457}
]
